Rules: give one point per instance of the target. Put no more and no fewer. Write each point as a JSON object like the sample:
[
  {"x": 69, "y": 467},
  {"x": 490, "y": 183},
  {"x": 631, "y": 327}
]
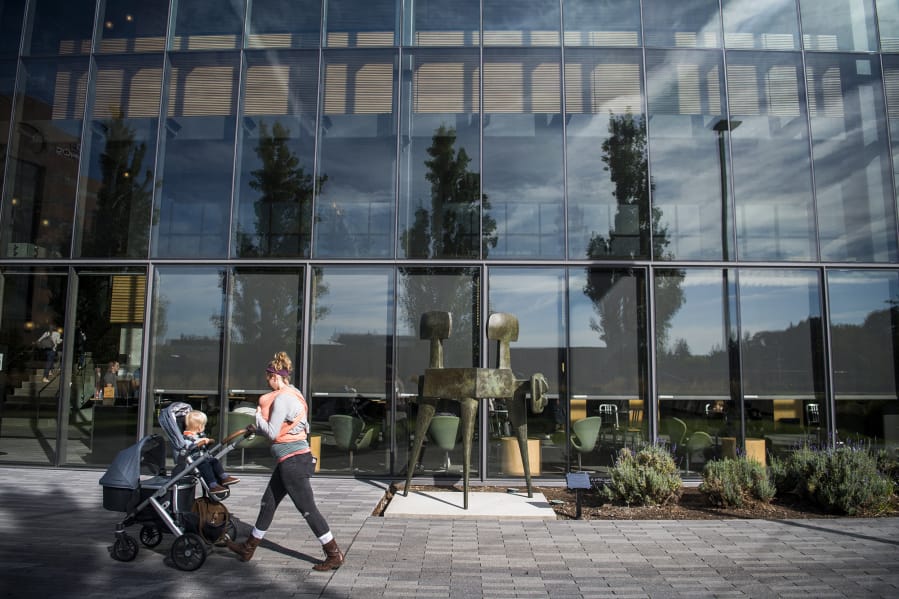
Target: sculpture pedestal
[{"x": 511, "y": 455}]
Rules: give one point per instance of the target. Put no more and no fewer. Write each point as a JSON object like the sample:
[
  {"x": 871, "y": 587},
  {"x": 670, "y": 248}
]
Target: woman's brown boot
[
  {"x": 334, "y": 557},
  {"x": 246, "y": 549}
]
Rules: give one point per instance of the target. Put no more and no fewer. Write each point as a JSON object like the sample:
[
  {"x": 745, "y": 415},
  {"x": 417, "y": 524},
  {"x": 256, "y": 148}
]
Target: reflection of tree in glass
[
  {"x": 122, "y": 217},
  {"x": 618, "y": 309},
  {"x": 284, "y": 205},
  {"x": 454, "y": 224},
  {"x": 452, "y": 290}
]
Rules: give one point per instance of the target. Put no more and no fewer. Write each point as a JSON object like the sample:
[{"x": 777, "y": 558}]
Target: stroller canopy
[
  {"x": 171, "y": 419},
  {"x": 125, "y": 470}
]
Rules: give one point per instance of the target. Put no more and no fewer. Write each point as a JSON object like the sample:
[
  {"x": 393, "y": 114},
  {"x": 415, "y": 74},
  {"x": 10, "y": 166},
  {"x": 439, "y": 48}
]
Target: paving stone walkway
[{"x": 54, "y": 535}]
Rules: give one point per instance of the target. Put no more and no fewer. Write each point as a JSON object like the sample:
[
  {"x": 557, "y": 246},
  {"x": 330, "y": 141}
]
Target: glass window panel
[
  {"x": 691, "y": 340},
  {"x": 350, "y": 358},
  {"x": 442, "y": 23},
  {"x": 780, "y": 318},
  {"x": 132, "y": 26},
  {"x": 276, "y": 187},
  {"x": 602, "y": 22},
  {"x": 207, "y": 24},
  {"x": 855, "y": 199},
  {"x": 361, "y": 23},
  {"x": 284, "y": 24},
  {"x": 60, "y": 27},
  {"x": 11, "y": 14},
  {"x": 781, "y": 345},
  {"x": 116, "y": 186},
  {"x": 43, "y": 162},
  {"x": 775, "y": 218},
  {"x": 106, "y": 364},
  {"x": 440, "y": 194},
  {"x": 355, "y": 209},
  {"x": 888, "y": 25},
  {"x": 196, "y": 157},
  {"x": 607, "y": 353},
  {"x": 608, "y": 178},
  {"x": 682, "y": 24},
  {"x": 536, "y": 297},
  {"x": 693, "y": 363},
  {"x": 771, "y": 24},
  {"x": 863, "y": 319},
  {"x": 265, "y": 316},
  {"x": 422, "y": 290},
  {"x": 864, "y": 312},
  {"x": 522, "y": 178},
  {"x": 185, "y": 347},
  {"x": 688, "y": 132},
  {"x": 33, "y": 302},
  {"x": 838, "y": 25},
  {"x": 521, "y": 23}
]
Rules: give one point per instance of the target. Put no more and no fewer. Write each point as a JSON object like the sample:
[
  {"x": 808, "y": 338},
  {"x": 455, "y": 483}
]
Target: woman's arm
[{"x": 285, "y": 408}]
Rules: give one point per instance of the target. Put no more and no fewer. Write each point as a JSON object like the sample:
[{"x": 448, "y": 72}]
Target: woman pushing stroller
[{"x": 282, "y": 416}]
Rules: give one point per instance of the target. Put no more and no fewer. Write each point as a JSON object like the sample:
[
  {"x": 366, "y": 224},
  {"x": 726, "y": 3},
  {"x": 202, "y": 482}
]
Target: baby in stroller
[{"x": 211, "y": 469}]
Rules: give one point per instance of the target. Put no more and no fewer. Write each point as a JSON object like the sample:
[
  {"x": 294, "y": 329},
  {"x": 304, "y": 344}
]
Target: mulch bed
[{"x": 691, "y": 505}]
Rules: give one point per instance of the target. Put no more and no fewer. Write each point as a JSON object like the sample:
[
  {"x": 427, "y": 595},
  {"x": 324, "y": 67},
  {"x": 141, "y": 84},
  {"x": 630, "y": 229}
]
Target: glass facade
[{"x": 690, "y": 207}]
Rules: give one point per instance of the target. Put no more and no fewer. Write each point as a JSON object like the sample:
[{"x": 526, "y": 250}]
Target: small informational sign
[{"x": 578, "y": 480}]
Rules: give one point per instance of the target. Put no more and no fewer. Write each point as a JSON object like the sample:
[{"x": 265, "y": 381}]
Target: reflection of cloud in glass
[
  {"x": 194, "y": 302},
  {"x": 854, "y": 296},
  {"x": 761, "y": 17},
  {"x": 357, "y": 303},
  {"x": 535, "y": 298}
]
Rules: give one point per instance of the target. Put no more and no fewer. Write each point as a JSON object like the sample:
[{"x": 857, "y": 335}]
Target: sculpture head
[
  {"x": 436, "y": 326},
  {"x": 503, "y": 327}
]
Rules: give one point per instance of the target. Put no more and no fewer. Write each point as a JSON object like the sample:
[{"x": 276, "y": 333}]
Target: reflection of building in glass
[{"x": 695, "y": 224}]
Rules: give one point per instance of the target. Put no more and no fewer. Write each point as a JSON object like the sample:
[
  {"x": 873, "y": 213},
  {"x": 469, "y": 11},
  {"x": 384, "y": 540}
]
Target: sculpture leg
[
  {"x": 426, "y": 408},
  {"x": 518, "y": 416},
  {"x": 469, "y": 415}
]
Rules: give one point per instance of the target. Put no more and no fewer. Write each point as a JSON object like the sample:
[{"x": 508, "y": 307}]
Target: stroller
[{"x": 164, "y": 503}]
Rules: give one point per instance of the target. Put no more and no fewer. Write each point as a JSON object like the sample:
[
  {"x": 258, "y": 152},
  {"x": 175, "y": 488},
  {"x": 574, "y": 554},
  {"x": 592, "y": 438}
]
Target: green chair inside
[
  {"x": 584, "y": 433},
  {"x": 697, "y": 443},
  {"x": 240, "y": 420},
  {"x": 444, "y": 431},
  {"x": 350, "y": 433}
]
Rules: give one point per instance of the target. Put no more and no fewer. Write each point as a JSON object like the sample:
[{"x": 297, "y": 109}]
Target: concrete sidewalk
[{"x": 55, "y": 535}]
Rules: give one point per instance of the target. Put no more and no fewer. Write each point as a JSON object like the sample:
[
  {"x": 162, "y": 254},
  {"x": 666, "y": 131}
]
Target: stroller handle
[{"x": 246, "y": 433}]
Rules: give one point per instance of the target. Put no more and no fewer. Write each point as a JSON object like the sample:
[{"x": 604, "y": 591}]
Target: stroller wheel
[
  {"x": 150, "y": 535},
  {"x": 188, "y": 552},
  {"x": 124, "y": 549}
]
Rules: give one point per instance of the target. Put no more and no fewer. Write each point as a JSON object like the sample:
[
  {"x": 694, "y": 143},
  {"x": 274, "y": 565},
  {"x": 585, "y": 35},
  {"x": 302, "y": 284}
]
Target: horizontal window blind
[
  {"x": 127, "y": 87},
  {"x": 283, "y": 84},
  {"x": 521, "y": 82},
  {"x": 201, "y": 86},
  {"x": 359, "y": 83},
  {"x": 443, "y": 83}
]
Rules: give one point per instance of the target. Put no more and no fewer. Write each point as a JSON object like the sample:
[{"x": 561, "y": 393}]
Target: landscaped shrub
[
  {"x": 731, "y": 482},
  {"x": 842, "y": 480},
  {"x": 889, "y": 465},
  {"x": 649, "y": 477}
]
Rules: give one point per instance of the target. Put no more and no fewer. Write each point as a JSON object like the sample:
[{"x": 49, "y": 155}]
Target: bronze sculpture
[{"x": 469, "y": 385}]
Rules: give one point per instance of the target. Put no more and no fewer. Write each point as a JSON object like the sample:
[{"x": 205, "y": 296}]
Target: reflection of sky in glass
[
  {"x": 761, "y": 17},
  {"x": 700, "y": 320},
  {"x": 357, "y": 302},
  {"x": 582, "y": 311},
  {"x": 527, "y": 15},
  {"x": 774, "y": 300},
  {"x": 535, "y": 297},
  {"x": 194, "y": 300},
  {"x": 855, "y": 295}
]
